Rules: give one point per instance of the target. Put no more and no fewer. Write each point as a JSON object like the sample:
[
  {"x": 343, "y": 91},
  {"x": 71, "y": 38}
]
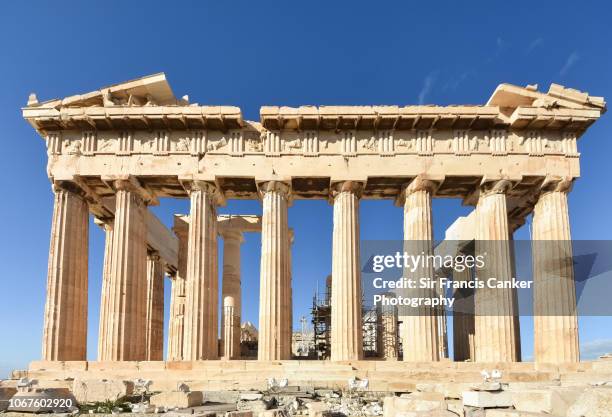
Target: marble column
[
  {"x": 421, "y": 341},
  {"x": 231, "y": 294},
  {"x": 155, "y": 308},
  {"x": 274, "y": 294},
  {"x": 555, "y": 316},
  {"x": 105, "y": 299},
  {"x": 289, "y": 286},
  {"x": 346, "y": 322},
  {"x": 125, "y": 317},
  {"x": 463, "y": 318},
  {"x": 495, "y": 308},
  {"x": 176, "y": 324},
  {"x": 65, "y": 320},
  {"x": 442, "y": 325},
  {"x": 228, "y": 333},
  {"x": 202, "y": 302}
]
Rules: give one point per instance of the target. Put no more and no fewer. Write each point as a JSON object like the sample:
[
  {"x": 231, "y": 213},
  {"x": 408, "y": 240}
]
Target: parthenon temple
[{"x": 116, "y": 151}]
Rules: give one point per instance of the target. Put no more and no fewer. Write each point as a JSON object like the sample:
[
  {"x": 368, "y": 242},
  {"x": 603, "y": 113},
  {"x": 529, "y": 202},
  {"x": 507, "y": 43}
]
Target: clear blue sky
[{"x": 249, "y": 54}]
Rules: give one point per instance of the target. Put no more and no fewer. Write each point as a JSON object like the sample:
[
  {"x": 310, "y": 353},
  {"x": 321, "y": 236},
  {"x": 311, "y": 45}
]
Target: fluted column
[
  {"x": 463, "y": 318},
  {"x": 420, "y": 333},
  {"x": 125, "y": 337},
  {"x": 105, "y": 299},
  {"x": 202, "y": 303},
  {"x": 442, "y": 326},
  {"x": 289, "y": 286},
  {"x": 155, "y": 308},
  {"x": 273, "y": 320},
  {"x": 231, "y": 294},
  {"x": 65, "y": 321},
  {"x": 346, "y": 321},
  {"x": 228, "y": 331},
  {"x": 554, "y": 294},
  {"x": 176, "y": 323},
  {"x": 495, "y": 308}
]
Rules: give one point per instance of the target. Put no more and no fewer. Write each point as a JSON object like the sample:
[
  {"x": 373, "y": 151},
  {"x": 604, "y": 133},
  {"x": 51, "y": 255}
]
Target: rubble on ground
[{"x": 490, "y": 398}]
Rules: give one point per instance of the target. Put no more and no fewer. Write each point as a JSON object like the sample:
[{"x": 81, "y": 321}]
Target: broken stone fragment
[
  {"x": 417, "y": 401},
  {"x": 434, "y": 413},
  {"x": 221, "y": 396},
  {"x": 455, "y": 406},
  {"x": 277, "y": 412},
  {"x": 487, "y": 386},
  {"x": 487, "y": 399},
  {"x": 593, "y": 402},
  {"x": 555, "y": 400},
  {"x": 506, "y": 412},
  {"x": 256, "y": 405},
  {"x": 100, "y": 390},
  {"x": 174, "y": 399},
  {"x": 142, "y": 408},
  {"x": 239, "y": 414},
  {"x": 451, "y": 390},
  {"x": 251, "y": 396}
]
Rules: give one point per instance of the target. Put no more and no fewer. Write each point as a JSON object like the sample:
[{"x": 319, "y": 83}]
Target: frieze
[{"x": 351, "y": 143}]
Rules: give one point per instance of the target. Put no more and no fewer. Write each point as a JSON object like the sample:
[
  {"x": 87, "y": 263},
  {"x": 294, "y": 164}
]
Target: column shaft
[
  {"x": 289, "y": 288},
  {"x": 65, "y": 321},
  {"x": 463, "y": 318},
  {"x": 105, "y": 299},
  {"x": 495, "y": 308},
  {"x": 273, "y": 320},
  {"x": 202, "y": 303},
  {"x": 176, "y": 324},
  {"x": 555, "y": 319},
  {"x": 346, "y": 321},
  {"x": 228, "y": 333},
  {"x": 125, "y": 317},
  {"x": 421, "y": 339},
  {"x": 231, "y": 294},
  {"x": 155, "y": 308}
]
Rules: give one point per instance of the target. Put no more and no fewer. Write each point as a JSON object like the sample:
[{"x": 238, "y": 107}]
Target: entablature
[{"x": 139, "y": 130}]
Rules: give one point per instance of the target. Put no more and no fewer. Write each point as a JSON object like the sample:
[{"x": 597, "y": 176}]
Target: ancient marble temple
[{"x": 114, "y": 152}]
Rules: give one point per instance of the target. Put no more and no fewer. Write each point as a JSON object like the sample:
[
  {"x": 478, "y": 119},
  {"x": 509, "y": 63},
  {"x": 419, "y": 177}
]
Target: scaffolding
[
  {"x": 321, "y": 321},
  {"x": 375, "y": 327}
]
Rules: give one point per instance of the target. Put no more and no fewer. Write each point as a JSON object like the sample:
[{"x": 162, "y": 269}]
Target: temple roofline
[{"x": 149, "y": 103}]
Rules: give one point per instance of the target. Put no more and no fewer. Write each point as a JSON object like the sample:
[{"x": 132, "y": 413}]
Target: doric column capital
[
  {"x": 205, "y": 187},
  {"x": 231, "y": 234},
  {"x": 421, "y": 182},
  {"x": 70, "y": 187},
  {"x": 200, "y": 185},
  {"x": 131, "y": 184},
  {"x": 348, "y": 186},
  {"x": 124, "y": 185},
  {"x": 553, "y": 183},
  {"x": 489, "y": 186},
  {"x": 274, "y": 186}
]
